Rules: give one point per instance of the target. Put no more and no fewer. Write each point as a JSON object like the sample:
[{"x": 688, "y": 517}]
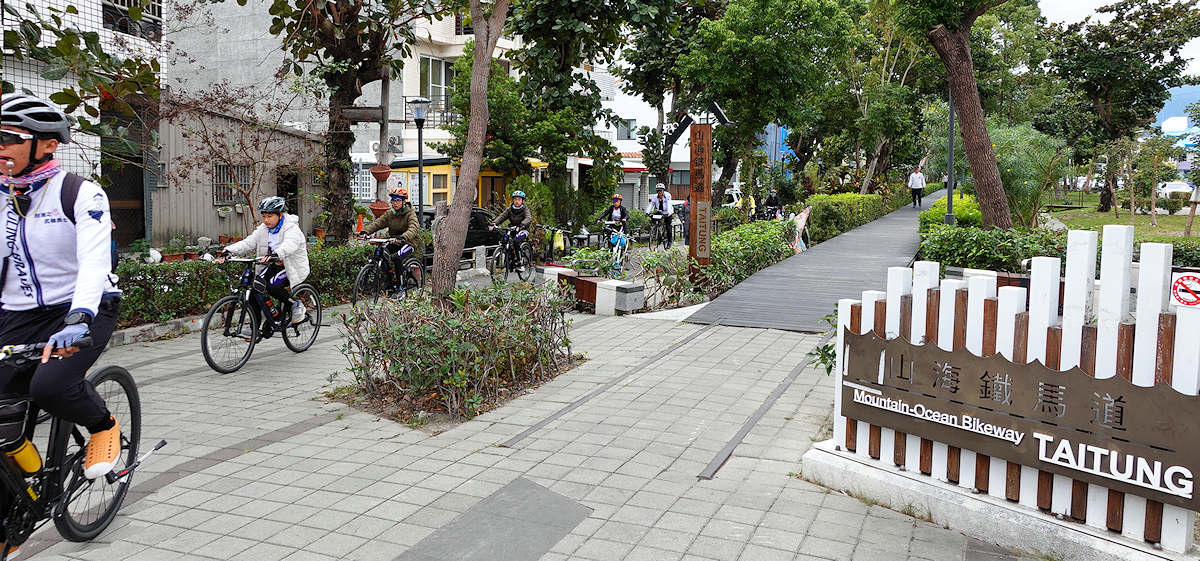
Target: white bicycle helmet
[{"x": 36, "y": 116}]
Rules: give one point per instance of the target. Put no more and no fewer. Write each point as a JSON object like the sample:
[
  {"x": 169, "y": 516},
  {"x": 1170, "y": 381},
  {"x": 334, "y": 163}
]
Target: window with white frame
[
  {"x": 228, "y": 182},
  {"x": 437, "y": 81}
]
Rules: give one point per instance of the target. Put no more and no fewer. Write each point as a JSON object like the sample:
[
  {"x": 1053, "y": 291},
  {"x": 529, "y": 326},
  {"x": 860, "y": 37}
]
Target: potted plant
[
  {"x": 320, "y": 221},
  {"x": 174, "y": 250},
  {"x": 224, "y": 211},
  {"x": 240, "y": 208},
  {"x": 223, "y": 239}
]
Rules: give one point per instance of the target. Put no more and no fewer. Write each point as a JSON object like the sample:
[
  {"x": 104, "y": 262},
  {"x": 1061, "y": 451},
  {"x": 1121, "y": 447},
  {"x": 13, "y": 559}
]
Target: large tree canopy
[
  {"x": 1125, "y": 67},
  {"x": 759, "y": 62}
]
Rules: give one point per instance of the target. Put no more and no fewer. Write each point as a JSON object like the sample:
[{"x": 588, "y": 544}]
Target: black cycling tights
[{"x": 59, "y": 387}]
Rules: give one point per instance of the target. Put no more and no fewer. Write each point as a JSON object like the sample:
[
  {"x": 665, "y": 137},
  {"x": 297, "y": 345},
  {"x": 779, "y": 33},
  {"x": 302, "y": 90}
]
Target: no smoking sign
[{"x": 1185, "y": 290}]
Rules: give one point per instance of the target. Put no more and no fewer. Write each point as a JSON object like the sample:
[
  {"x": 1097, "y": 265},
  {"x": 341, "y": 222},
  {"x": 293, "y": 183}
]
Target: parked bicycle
[
  {"x": 514, "y": 255},
  {"x": 557, "y": 244},
  {"x": 660, "y": 225},
  {"x": 236, "y": 323},
  {"x": 54, "y": 488},
  {"x": 379, "y": 276}
]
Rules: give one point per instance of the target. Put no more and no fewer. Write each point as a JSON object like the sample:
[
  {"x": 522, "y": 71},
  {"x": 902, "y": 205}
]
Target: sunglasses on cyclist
[{"x": 8, "y": 138}]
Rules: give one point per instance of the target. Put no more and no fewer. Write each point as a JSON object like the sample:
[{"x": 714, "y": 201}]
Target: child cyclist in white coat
[{"x": 279, "y": 236}]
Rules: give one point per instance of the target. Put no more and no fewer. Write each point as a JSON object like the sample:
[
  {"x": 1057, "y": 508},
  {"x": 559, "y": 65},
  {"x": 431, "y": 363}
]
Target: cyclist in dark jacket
[
  {"x": 616, "y": 212},
  {"x": 518, "y": 214}
]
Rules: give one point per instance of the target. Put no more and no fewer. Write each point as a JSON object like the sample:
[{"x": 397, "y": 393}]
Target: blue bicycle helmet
[{"x": 519, "y": 193}]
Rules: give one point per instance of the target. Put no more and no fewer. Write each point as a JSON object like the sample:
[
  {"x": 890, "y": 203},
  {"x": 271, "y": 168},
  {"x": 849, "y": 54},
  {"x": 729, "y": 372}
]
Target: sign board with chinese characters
[
  {"x": 700, "y": 185},
  {"x": 1140, "y": 440}
]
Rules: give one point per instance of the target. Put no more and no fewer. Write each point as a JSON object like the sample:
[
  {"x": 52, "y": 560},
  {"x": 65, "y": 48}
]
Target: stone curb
[{"x": 151, "y": 331}]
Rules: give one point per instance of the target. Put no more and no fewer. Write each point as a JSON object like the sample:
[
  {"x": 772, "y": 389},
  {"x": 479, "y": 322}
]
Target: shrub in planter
[
  {"x": 462, "y": 358},
  {"x": 835, "y": 214},
  {"x": 669, "y": 284},
  {"x": 997, "y": 250},
  {"x": 966, "y": 213}
]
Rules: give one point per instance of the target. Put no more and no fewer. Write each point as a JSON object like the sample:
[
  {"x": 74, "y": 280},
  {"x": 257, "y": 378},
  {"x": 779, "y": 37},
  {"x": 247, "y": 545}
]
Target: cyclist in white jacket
[
  {"x": 57, "y": 280},
  {"x": 660, "y": 203},
  {"x": 279, "y": 236}
]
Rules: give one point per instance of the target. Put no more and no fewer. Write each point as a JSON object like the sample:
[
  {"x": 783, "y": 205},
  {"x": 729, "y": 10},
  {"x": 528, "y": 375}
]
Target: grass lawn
[{"x": 1091, "y": 219}]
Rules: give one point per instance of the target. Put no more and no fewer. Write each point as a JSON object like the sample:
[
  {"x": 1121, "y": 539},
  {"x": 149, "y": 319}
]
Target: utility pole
[
  {"x": 950, "y": 165},
  {"x": 381, "y": 155}
]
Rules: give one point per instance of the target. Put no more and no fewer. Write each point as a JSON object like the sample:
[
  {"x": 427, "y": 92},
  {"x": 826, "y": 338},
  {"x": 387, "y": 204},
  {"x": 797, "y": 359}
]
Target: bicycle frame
[
  {"x": 40, "y": 494},
  {"x": 382, "y": 257},
  {"x": 250, "y": 292}
]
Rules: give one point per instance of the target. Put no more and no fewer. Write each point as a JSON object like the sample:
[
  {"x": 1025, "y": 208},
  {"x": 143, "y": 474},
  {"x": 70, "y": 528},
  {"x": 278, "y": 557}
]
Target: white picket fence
[{"x": 1161, "y": 346}]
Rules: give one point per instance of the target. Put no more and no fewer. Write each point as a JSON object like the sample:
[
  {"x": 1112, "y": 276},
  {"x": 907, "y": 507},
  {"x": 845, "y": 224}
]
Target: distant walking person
[{"x": 916, "y": 183}]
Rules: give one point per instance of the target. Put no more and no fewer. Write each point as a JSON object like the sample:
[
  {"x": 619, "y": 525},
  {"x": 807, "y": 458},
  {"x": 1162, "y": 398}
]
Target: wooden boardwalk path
[{"x": 797, "y": 292}]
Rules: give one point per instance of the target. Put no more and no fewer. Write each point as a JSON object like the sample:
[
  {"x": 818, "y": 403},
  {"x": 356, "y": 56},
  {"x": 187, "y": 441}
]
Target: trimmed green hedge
[
  {"x": 159, "y": 292},
  {"x": 966, "y": 213},
  {"x": 1003, "y": 250},
  {"x": 1186, "y": 252},
  {"x": 746, "y": 249},
  {"x": 835, "y": 214},
  {"x": 997, "y": 250}
]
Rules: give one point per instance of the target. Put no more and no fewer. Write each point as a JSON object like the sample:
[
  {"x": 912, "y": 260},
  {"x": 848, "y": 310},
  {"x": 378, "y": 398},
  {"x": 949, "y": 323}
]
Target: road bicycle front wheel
[
  {"x": 302, "y": 332},
  {"x": 369, "y": 284},
  {"x": 88, "y": 506},
  {"x": 525, "y": 263},
  {"x": 499, "y": 261},
  {"x": 229, "y": 334}
]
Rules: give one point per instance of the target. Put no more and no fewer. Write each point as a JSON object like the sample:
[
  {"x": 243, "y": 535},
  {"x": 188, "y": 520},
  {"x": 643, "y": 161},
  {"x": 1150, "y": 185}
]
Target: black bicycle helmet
[
  {"x": 276, "y": 205},
  {"x": 36, "y": 116}
]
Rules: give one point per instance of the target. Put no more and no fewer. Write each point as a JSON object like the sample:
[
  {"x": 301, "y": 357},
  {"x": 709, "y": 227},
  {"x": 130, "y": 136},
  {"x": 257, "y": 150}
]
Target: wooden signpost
[{"x": 700, "y": 208}]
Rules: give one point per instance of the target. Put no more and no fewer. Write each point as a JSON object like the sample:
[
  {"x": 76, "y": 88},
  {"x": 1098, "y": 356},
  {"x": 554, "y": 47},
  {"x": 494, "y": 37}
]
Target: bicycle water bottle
[{"x": 26, "y": 456}]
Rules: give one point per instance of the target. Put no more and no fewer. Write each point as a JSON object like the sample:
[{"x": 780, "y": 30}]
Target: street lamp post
[
  {"x": 419, "y": 106},
  {"x": 950, "y": 165}
]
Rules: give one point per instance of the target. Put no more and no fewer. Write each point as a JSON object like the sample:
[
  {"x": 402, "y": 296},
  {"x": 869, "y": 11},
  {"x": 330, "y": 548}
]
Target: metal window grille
[
  {"x": 362, "y": 184},
  {"x": 115, "y": 15},
  {"x": 225, "y": 182}
]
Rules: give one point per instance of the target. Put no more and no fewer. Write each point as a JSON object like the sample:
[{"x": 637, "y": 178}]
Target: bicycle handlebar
[{"x": 33, "y": 351}]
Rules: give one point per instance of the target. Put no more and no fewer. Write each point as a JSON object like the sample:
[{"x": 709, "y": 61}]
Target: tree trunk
[
  {"x": 1132, "y": 199},
  {"x": 339, "y": 199},
  {"x": 866, "y": 184},
  {"x": 728, "y": 168},
  {"x": 954, "y": 48},
  {"x": 1087, "y": 185},
  {"x": 452, "y": 232}
]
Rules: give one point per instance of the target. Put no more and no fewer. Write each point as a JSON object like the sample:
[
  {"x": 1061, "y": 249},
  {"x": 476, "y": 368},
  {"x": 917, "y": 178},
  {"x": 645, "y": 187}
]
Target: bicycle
[
  {"x": 660, "y": 235},
  {"x": 514, "y": 254},
  {"x": 56, "y": 489},
  {"x": 618, "y": 240},
  {"x": 234, "y": 324},
  {"x": 558, "y": 237},
  {"x": 378, "y": 276}
]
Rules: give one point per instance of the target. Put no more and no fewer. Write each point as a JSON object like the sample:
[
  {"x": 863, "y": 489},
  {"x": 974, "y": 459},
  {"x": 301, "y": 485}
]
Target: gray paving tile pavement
[{"x": 259, "y": 467}]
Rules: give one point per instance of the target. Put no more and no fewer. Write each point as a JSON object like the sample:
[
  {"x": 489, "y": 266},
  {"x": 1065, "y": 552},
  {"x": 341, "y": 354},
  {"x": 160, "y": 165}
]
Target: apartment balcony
[{"x": 439, "y": 115}]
